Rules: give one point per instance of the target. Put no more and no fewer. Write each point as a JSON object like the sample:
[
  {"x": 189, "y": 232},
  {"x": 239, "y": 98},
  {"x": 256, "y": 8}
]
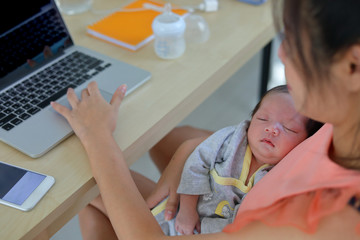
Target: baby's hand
[{"x": 187, "y": 221}]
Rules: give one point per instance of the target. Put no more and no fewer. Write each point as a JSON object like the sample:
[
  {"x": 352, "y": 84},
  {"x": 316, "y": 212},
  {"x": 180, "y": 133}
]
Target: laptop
[{"x": 38, "y": 63}]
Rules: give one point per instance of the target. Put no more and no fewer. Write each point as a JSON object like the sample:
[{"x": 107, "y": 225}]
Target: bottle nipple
[{"x": 167, "y": 8}]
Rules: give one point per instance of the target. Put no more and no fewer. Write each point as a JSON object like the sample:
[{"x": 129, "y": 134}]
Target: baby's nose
[{"x": 272, "y": 130}]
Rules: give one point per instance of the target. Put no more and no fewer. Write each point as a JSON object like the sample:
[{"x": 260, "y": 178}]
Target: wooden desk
[{"x": 177, "y": 87}]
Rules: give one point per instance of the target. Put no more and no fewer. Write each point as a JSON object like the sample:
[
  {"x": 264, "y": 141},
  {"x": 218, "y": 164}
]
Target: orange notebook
[{"x": 131, "y": 30}]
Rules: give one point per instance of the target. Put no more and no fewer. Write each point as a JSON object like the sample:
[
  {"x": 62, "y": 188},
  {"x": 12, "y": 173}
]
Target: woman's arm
[
  {"x": 163, "y": 151},
  {"x": 124, "y": 204},
  {"x": 93, "y": 121}
]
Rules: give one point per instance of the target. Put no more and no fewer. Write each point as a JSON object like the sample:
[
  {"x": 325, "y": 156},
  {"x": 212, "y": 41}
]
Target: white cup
[{"x": 71, "y": 7}]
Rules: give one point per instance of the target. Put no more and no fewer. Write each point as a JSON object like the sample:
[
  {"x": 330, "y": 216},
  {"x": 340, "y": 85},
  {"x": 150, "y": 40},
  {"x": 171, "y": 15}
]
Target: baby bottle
[{"x": 169, "y": 30}]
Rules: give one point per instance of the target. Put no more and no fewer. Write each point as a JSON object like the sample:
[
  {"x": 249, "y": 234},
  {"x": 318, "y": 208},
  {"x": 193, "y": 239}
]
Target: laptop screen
[{"x": 31, "y": 35}]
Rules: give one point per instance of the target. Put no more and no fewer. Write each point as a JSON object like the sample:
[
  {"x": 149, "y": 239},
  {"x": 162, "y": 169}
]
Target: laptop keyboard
[{"x": 35, "y": 93}]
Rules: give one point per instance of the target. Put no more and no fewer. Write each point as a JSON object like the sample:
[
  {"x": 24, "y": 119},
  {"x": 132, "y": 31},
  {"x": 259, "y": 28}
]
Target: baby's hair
[
  {"x": 311, "y": 126},
  {"x": 277, "y": 89}
]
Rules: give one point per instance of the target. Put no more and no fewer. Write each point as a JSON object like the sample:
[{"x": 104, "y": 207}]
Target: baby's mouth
[{"x": 267, "y": 141}]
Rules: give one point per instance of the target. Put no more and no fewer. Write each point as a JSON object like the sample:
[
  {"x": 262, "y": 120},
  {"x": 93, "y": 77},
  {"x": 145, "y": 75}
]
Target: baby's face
[{"x": 276, "y": 128}]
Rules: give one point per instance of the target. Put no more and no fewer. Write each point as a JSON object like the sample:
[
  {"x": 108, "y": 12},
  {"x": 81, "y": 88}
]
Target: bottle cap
[{"x": 168, "y": 23}]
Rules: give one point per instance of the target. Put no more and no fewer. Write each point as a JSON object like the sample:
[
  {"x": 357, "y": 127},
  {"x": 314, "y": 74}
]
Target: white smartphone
[{"x": 21, "y": 188}]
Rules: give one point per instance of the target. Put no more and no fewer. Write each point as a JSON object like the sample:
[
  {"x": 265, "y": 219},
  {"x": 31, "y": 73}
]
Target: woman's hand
[
  {"x": 167, "y": 187},
  {"x": 91, "y": 115},
  {"x": 169, "y": 181}
]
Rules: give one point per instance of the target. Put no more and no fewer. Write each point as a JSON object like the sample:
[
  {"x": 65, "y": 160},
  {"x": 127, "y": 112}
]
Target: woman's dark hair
[
  {"x": 325, "y": 28},
  {"x": 311, "y": 126}
]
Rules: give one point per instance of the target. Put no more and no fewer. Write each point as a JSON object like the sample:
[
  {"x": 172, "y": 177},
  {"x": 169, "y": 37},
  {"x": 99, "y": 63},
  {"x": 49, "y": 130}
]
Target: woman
[{"x": 321, "y": 54}]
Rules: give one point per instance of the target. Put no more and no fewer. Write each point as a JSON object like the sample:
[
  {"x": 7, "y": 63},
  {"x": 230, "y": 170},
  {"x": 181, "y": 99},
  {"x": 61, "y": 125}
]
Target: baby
[{"x": 223, "y": 168}]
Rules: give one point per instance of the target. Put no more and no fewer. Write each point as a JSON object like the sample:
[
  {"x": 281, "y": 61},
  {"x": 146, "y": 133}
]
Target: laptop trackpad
[{"x": 63, "y": 101}]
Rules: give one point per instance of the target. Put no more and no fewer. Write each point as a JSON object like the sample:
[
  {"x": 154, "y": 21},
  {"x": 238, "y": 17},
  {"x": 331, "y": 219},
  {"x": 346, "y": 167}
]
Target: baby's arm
[{"x": 187, "y": 219}]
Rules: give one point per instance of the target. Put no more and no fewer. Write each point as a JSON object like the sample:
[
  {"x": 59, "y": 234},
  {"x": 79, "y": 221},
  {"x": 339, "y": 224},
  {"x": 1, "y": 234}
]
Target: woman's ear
[{"x": 353, "y": 62}]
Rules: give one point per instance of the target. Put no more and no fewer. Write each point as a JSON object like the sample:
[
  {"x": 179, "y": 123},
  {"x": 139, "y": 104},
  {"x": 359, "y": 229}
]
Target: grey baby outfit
[{"x": 217, "y": 171}]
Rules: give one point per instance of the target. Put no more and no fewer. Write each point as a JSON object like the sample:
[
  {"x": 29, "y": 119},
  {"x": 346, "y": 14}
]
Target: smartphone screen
[{"x": 18, "y": 184}]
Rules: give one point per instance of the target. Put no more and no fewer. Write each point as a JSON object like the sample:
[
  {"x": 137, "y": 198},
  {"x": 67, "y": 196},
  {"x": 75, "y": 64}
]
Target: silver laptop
[{"x": 38, "y": 63}]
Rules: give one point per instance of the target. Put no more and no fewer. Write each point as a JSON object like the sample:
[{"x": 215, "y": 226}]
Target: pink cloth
[{"x": 304, "y": 187}]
